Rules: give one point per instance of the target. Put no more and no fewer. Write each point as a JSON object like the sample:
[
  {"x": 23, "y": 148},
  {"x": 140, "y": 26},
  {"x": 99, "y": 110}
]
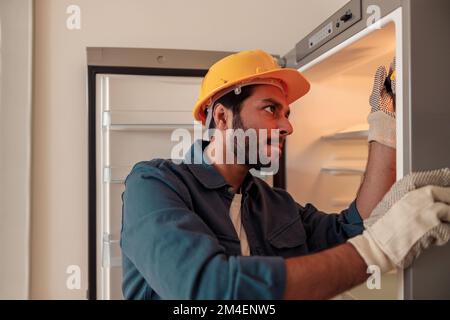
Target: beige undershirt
[{"x": 236, "y": 219}]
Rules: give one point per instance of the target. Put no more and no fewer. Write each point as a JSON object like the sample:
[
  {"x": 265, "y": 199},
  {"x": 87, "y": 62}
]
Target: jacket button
[{"x": 230, "y": 190}]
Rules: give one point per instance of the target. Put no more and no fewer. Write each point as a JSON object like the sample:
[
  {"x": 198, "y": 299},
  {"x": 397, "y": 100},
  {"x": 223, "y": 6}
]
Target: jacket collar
[{"x": 205, "y": 172}]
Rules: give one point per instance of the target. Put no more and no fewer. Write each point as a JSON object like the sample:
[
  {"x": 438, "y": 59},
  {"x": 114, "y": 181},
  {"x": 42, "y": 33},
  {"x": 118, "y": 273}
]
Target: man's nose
[{"x": 285, "y": 127}]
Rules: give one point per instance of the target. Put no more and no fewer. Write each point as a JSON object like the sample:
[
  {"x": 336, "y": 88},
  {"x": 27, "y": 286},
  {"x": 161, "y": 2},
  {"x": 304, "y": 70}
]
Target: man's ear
[{"x": 220, "y": 116}]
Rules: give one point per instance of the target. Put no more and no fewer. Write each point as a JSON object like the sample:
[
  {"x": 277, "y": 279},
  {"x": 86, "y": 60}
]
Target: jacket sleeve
[
  {"x": 327, "y": 230},
  {"x": 177, "y": 253}
]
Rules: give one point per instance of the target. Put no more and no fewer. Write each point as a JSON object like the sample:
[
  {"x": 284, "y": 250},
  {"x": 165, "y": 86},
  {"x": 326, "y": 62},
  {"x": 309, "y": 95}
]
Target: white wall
[
  {"x": 15, "y": 146},
  {"x": 59, "y": 202}
]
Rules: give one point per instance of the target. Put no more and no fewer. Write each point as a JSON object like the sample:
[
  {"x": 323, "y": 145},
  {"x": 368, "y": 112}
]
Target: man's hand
[
  {"x": 380, "y": 171},
  {"x": 382, "y": 100},
  {"x": 419, "y": 219}
]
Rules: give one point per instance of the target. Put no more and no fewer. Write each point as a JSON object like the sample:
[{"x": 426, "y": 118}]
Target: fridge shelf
[
  {"x": 148, "y": 127},
  {"x": 144, "y": 120},
  {"x": 341, "y": 202},
  {"x": 116, "y": 175},
  {"x": 342, "y": 171},
  {"x": 345, "y": 167},
  {"x": 347, "y": 135},
  {"x": 356, "y": 132}
]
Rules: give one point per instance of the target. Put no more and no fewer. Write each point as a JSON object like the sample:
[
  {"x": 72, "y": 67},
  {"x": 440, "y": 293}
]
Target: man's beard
[{"x": 245, "y": 149}]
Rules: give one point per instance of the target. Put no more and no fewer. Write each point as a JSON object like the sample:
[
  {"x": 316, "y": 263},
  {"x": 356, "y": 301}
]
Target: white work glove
[
  {"x": 410, "y": 182},
  {"x": 382, "y": 100},
  {"x": 419, "y": 219}
]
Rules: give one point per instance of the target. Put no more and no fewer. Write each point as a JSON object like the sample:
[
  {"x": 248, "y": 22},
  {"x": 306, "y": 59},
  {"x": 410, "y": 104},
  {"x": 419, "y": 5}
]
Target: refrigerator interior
[
  {"x": 327, "y": 152},
  {"x": 138, "y": 115}
]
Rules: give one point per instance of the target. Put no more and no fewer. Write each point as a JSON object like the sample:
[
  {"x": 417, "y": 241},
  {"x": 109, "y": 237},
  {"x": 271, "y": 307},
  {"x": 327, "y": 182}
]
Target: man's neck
[{"x": 234, "y": 174}]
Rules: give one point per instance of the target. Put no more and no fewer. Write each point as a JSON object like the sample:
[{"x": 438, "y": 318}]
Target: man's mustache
[{"x": 281, "y": 142}]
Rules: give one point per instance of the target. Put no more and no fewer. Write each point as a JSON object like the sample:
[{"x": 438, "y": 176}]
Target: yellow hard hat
[{"x": 245, "y": 68}]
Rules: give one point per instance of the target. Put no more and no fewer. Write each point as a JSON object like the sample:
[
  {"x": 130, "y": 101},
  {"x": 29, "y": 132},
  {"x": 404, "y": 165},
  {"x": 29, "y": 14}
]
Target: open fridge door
[{"x": 327, "y": 153}]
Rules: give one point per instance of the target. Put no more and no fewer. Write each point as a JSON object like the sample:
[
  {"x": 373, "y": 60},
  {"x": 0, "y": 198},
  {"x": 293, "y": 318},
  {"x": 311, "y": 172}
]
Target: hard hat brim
[{"x": 296, "y": 87}]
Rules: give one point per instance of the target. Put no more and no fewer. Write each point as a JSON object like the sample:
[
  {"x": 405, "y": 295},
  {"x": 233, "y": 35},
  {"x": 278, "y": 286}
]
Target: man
[{"x": 207, "y": 229}]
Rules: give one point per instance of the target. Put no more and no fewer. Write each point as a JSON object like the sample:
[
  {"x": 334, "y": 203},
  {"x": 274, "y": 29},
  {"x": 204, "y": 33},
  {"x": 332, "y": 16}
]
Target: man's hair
[{"x": 233, "y": 102}]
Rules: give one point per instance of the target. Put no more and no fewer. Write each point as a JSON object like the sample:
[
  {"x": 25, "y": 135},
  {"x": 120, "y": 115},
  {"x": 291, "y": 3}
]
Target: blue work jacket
[{"x": 178, "y": 241}]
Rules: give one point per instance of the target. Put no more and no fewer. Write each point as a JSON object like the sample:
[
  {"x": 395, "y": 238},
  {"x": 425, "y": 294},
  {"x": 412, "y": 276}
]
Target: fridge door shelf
[
  {"x": 111, "y": 252},
  {"x": 116, "y": 175}
]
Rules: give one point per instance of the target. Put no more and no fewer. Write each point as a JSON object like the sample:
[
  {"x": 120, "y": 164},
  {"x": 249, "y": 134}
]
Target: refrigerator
[{"x": 138, "y": 97}]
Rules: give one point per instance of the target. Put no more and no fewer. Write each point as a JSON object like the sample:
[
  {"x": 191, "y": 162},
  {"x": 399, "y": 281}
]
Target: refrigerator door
[
  {"x": 328, "y": 150},
  {"x": 427, "y": 101},
  {"x": 327, "y": 153}
]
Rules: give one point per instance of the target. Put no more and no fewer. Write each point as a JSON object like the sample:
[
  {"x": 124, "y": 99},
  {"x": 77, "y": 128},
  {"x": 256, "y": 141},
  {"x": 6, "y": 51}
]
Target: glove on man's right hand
[
  {"x": 382, "y": 101},
  {"x": 419, "y": 219}
]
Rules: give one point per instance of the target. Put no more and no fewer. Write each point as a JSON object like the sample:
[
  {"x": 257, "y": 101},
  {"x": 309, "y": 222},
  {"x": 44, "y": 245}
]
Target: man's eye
[{"x": 270, "y": 109}]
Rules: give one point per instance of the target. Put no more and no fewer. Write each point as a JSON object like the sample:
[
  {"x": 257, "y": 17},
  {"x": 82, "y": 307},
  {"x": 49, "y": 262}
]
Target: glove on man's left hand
[{"x": 421, "y": 218}]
